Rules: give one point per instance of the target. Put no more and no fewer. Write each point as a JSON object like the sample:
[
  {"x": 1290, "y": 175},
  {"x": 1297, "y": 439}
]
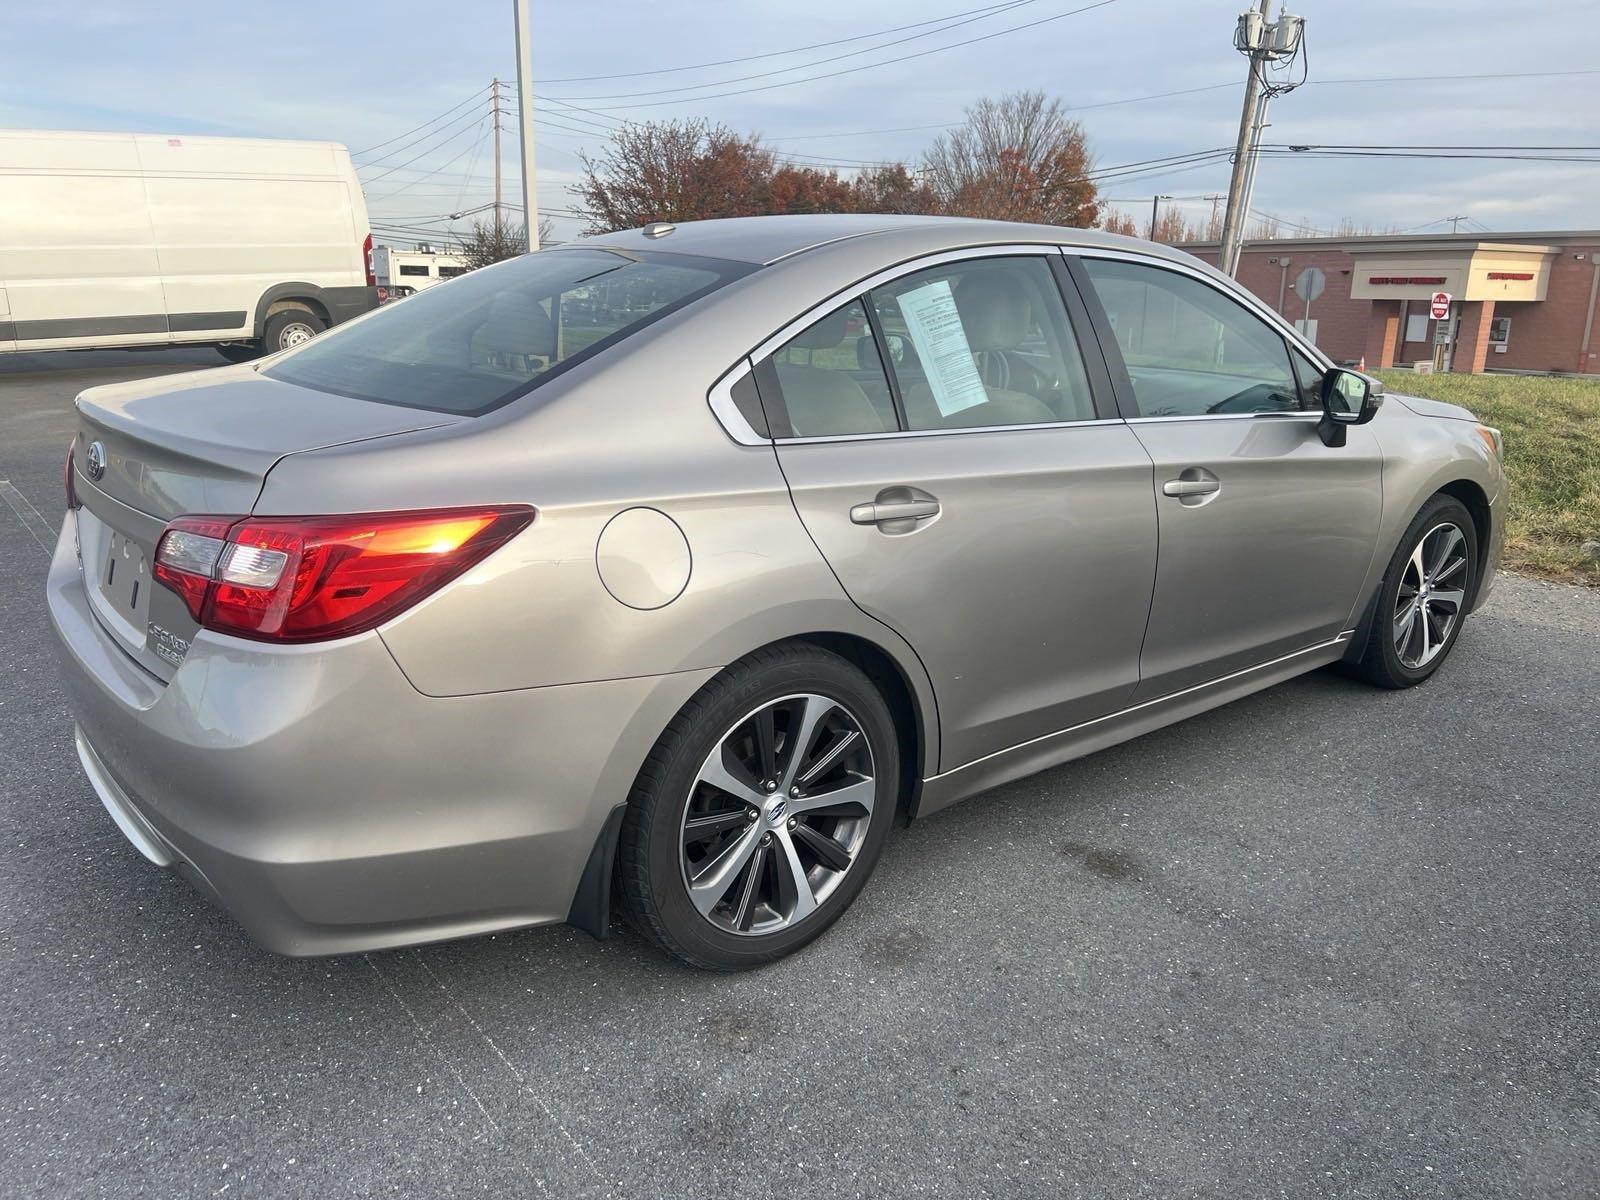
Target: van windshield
[{"x": 496, "y": 333}]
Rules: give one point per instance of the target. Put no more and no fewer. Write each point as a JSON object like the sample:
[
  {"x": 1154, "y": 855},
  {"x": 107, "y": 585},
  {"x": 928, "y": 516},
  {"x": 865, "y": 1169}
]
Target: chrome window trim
[
  {"x": 1237, "y": 293},
  {"x": 859, "y": 289},
  {"x": 733, "y": 422},
  {"x": 1284, "y": 414},
  {"x": 845, "y": 294},
  {"x": 911, "y": 433}
]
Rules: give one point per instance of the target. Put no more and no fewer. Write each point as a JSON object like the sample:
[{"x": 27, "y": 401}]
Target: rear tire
[
  {"x": 736, "y": 873},
  {"x": 1423, "y": 598},
  {"x": 291, "y": 327}
]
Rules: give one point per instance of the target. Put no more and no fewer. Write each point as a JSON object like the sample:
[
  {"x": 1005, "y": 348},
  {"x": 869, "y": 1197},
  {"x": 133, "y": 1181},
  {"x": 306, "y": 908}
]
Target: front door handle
[
  {"x": 1194, "y": 486},
  {"x": 879, "y": 511},
  {"x": 1189, "y": 487}
]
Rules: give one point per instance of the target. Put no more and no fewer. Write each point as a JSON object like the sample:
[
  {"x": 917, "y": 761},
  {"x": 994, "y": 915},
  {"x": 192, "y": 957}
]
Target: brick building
[{"x": 1522, "y": 301}]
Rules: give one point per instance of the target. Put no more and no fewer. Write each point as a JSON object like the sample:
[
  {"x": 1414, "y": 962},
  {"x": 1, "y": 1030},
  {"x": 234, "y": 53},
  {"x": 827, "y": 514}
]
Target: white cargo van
[{"x": 124, "y": 239}]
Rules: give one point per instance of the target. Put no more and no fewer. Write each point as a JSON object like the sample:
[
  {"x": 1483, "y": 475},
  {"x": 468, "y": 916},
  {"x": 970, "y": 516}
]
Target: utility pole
[
  {"x": 1155, "y": 205},
  {"x": 1263, "y": 43},
  {"x": 530, "y": 202},
  {"x": 1252, "y": 44},
  {"x": 1455, "y": 222},
  {"x": 494, "y": 106},
  {"x": 1250, "y": 176}
]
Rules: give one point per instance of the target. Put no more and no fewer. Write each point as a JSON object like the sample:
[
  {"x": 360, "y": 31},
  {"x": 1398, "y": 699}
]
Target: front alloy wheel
[
  {"x": 1430, "y": 596},
  {"x": 1424, "y": 596},
  {"x": 777, "y": 815}
]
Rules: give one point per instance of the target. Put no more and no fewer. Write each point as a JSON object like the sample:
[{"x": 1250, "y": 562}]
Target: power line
[
  {"x": 1360, "y": 146},
  {"x": 1438, "y": 78},
  {"x": 1214, "y": 87},
  {"x": 982, "y": 15},
  {"x": 438, "y": 145},
  {"x": 404, "y": 185},
  {"x": 864, "y": 66},
  {"x": 860, "y": 37},
  {"x": 424, "y": 125},
  {"x": 1309, "y": 152}
]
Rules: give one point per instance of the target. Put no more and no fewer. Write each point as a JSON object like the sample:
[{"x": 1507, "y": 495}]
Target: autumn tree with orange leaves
[
  {"x": 693, "y": 170},
  {"x": 1018, "y": 158}
]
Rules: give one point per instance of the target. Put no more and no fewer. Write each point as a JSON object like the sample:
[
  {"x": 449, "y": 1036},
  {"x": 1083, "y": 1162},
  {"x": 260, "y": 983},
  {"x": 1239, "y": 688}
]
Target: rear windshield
[{"x": 488, "y": 337}]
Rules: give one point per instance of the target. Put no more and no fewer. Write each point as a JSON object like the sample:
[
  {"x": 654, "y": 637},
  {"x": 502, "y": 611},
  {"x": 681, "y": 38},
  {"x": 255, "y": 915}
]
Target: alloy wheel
[
  {"x": 1430, "y": 597},
  {"x": 777, "y": 815}
]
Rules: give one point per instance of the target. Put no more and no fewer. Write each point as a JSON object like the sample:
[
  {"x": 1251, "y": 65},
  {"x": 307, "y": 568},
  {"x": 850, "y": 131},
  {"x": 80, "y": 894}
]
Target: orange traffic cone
[{"x": 1362, "y": 365}]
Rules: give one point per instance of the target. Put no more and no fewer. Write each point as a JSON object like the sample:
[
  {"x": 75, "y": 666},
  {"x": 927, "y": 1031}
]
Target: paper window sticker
[{"x": 935, "y": 326}]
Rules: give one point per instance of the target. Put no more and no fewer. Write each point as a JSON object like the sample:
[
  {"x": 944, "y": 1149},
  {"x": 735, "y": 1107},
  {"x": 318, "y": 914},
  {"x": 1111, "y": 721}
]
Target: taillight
[
  {"x": 306, "y": 579},
  {"x": 72, "y": 488},
  {"x": 366, "y": 255}
]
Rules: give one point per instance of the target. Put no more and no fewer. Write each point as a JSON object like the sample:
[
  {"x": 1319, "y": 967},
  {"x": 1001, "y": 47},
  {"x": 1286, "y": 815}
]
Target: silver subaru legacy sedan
[{"x": 675, "y": 567}]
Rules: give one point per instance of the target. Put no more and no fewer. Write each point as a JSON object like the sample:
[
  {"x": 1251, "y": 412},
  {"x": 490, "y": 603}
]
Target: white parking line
[{"x": 28, "y": 515}]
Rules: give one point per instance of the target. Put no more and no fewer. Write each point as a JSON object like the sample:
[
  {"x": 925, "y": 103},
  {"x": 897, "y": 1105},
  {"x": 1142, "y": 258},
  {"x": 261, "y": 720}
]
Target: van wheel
[
  {"x": 761, "y": 811},
  {"x": 240, "y": 352},
  {"x": 290, "y": 327}
]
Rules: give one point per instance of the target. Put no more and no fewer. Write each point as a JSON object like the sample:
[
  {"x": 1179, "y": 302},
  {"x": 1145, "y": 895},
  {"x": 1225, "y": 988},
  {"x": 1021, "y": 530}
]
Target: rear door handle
[
  {"x": 880, "y": 511},
  {"x": 1189, "y": 487}
]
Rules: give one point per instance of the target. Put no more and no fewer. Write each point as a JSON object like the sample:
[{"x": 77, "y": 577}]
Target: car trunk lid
[{"x": 150, "y": 450}]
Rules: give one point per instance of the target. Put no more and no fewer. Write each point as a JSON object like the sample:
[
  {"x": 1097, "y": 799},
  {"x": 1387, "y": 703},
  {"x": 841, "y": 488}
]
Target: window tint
[
  {"x": 829, "y": 380},
  {"x": 1190, "y": 350},
  {"x": 983, "y": 342},
  {"x": 488, "y": 337}
]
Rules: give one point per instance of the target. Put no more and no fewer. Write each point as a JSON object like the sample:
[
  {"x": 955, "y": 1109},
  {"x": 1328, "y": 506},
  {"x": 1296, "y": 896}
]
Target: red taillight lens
[
  {"x": 305, "y": 579},
  {"x": 366, "y": 257},
  {"x": 72, "y": 488}
]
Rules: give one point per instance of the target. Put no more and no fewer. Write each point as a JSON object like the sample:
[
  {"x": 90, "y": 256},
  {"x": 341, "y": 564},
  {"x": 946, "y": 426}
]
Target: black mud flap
[{"x": 591, "y": 904}]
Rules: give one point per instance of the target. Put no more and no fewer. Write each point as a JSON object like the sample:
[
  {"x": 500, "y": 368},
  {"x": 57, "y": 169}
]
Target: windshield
[{"x": 493, "y": 334}]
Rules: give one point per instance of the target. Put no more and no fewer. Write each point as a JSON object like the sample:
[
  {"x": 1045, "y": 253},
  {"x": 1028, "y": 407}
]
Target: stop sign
[{"x": 1439, "y": 306}]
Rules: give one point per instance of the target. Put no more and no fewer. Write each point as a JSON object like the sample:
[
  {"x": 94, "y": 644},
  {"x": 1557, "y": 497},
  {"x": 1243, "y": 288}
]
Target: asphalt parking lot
[{"x": 1327, "y": 941}]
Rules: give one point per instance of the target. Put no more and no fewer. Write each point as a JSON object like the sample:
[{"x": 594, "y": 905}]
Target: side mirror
[{"x": 1348, "y": 398}]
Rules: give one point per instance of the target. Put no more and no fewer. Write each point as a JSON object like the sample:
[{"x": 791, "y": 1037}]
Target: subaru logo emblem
[
  {"x": 775, "y": 813},
  {"x": 95, "y": 461}
]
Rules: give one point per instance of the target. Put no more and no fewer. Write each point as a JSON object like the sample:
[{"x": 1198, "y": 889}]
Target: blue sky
[{"x": 362, "y": 72}]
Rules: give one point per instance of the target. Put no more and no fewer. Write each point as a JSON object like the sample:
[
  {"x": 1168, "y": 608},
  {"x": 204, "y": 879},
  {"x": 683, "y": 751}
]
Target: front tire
[
  {"x": 291, "y": 327},
  {"x": 1423, "y": 598},
  {"x": 761, "y": 810}
]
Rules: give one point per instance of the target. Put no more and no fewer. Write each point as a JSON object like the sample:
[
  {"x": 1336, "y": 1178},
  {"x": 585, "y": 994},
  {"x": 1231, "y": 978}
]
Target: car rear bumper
[{"x": 333, "y": 808}]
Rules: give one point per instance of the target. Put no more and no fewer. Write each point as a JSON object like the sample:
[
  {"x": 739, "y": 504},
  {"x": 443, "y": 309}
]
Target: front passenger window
[{"x": 1190, "y": 350}]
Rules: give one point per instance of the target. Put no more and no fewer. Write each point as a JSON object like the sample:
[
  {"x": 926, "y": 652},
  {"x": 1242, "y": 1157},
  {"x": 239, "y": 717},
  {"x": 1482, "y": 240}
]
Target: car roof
[{"x": 765, "y": 240}]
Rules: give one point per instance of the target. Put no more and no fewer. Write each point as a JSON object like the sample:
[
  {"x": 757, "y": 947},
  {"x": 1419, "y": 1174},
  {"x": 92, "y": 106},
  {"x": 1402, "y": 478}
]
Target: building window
[
  {"x": 1416, "y": 327},
  {"x": 1500, "y": 331},
  {"x": 415, "y": 269},
  {"x": 448, "y": 272}
]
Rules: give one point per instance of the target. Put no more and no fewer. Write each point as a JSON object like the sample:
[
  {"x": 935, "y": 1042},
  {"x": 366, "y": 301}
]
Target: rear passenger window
[
  {"x": 829, "y": 380},
  {"x": 983, "y": 342}
]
